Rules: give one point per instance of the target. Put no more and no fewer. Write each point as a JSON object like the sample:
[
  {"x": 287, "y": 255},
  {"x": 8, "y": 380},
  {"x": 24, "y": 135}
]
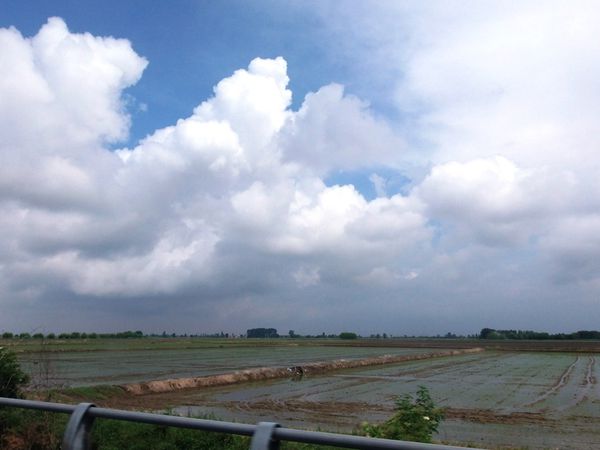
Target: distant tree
[
  {"x": 292, "y": 334},
  {"x": 489, "y": 333},
  {"x": 262, "y": 333},
  {"x": 7, "y": 335},
  {"x": 38, "y": 336},
  {"x": 586, "y": 334},
  {"x": 129, "y": 334},
  {"x": 50, "y": 336},
  {"x": 486, "y": 333},
  {"x": 25, "y": 336},
  {"x": 348, "y": 335}
]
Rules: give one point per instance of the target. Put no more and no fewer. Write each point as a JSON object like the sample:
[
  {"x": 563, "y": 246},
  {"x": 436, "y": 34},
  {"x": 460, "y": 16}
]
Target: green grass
[{"x": 43, "y": 431}]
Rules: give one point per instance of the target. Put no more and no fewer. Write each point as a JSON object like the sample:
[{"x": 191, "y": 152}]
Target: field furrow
[{"x": 561, "y": 382}]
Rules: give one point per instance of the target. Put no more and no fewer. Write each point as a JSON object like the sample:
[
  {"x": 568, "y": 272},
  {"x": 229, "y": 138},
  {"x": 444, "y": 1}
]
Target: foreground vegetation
[
  {"x": 415, "y": 419},
  {"x": 33, "y": 430}
]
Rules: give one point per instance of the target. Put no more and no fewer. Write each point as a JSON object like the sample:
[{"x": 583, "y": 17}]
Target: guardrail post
[
  {"x": 262, "y": 439},
  {"x": 77, "y": 433}
]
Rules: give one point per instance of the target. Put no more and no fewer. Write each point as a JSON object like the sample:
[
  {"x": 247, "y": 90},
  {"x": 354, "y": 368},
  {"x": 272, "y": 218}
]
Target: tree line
[
  {"x": 490, "y": 333},
  {"x": 74, "y": 335},
  {"x": 268, "y": 333}
]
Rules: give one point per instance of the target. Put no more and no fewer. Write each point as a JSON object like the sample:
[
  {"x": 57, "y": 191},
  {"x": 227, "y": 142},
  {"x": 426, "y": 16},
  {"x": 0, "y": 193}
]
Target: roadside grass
[
  {"x": 27, "y": 430},
  {"x": 116, "y": 435}
]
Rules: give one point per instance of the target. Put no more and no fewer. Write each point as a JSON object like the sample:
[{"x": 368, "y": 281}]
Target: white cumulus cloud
[{"x": 229, "y": 209}]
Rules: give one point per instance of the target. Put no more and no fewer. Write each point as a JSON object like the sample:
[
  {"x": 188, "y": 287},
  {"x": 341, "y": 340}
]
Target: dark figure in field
[{"x": 296, "y": 370}]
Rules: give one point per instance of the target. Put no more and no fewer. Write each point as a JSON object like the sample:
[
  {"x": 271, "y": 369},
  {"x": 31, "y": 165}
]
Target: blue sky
[
  {"x": 399, "y": 167},
  {"x": 194, "y": 44}
]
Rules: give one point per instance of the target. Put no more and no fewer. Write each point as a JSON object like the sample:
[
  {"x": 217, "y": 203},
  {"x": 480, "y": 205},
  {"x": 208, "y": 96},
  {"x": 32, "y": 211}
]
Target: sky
[{"x": 403, "y": 167}]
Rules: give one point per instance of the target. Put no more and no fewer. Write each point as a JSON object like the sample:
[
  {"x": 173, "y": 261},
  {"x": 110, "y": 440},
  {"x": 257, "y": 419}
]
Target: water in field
[
  {"x": 493, "y": 399},
  {"x": 523, "y": 400},
  {"x": 81, "y": 368}
]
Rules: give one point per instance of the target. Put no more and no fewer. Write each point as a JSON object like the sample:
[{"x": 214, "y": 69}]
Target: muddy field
[
  {"x": 89, "y": 368},
  {"x": 503, "y": 397},
  {"x": 492, "y": 399}
]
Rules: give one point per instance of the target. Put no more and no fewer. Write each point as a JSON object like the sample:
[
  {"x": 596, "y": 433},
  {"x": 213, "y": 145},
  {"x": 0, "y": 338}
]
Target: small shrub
[
  {"x": 415, "y": 419},
  {"x": 12, "y": 378}
]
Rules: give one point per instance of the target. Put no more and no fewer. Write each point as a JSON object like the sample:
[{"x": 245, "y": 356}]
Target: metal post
[
  {"x": 262, "y": 439},
  {"x": 77, "y": 433}
]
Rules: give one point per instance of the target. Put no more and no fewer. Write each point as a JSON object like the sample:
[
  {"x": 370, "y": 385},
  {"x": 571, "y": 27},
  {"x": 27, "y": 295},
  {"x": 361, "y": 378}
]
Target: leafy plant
[
  {"x": 12, "y": 378},
  {"x": 416, "y": 419}
]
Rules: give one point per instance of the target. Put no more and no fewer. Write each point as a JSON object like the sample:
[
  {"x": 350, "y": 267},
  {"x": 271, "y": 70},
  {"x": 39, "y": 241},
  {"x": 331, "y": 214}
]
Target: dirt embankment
[{"x": 267, "y": 373}]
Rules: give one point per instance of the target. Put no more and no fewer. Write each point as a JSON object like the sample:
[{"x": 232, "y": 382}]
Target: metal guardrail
[{"x": 265, "y": 435}]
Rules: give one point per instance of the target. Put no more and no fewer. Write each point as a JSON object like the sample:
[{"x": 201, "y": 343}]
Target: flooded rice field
[
  {"x": 493, "y": 399},
  {"x": 84, "y": 368},
  {"x": 515, "y": 400}
]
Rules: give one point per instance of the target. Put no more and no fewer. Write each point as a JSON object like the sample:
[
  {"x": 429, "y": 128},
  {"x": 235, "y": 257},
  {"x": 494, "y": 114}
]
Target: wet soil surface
[{"x": 491, "y": 399}]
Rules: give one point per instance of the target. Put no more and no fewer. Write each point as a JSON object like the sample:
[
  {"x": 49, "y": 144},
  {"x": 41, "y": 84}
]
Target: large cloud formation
[{"x": 224, "y": 220}]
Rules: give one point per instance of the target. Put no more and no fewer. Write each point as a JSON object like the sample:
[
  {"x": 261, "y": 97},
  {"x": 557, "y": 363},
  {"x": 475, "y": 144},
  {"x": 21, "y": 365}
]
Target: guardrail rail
[{"x": 265, "y": 435}]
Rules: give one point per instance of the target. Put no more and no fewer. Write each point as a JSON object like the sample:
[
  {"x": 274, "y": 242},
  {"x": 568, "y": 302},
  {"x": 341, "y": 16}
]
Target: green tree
[
  {"x": 348, "y": 335},
  {"x": 416, "y": 419},
  {"x": 12, "y": 378}
]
